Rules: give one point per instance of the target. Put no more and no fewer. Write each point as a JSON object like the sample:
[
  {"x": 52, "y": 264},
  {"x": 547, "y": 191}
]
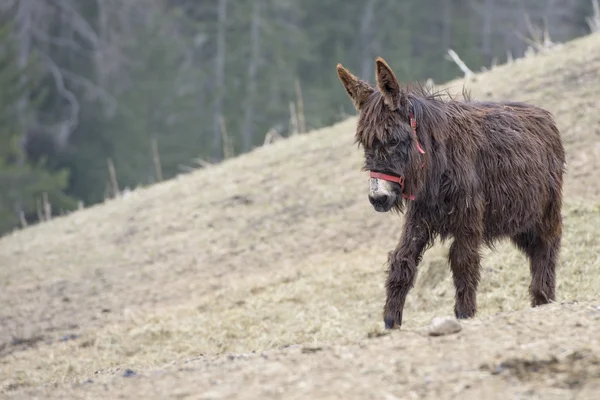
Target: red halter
[
  {"x": 400, "y": 179},
  {"x": 413, "y": 124}
]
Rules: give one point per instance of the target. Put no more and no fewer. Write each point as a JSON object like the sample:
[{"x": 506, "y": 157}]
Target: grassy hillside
[{"x": 275, "y": 248}]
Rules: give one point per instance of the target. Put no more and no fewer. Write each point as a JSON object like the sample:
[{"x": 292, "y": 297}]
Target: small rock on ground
[
  {"x": 129, "y": 373},
  {"x": 444, "y": 326}
]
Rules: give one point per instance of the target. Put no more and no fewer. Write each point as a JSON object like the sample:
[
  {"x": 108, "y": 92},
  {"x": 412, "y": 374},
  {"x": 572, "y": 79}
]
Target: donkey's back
[{"x": 520, "y": 162}]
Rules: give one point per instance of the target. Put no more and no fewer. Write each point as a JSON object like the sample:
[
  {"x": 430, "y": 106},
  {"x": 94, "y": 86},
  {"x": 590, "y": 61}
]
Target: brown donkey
[{"x": 473, "y": 171}]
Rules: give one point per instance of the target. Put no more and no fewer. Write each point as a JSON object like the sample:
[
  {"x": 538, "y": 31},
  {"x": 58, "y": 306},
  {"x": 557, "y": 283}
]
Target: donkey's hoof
[
  {"x": 390, "y": 323},
  {"x": 464, "y": 314}
]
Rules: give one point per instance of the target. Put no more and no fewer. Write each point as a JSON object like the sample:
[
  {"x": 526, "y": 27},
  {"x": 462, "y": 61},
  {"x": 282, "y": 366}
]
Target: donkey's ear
[
  {"x": 388, "y": 85},
  {"x": 358, "y": 90}
]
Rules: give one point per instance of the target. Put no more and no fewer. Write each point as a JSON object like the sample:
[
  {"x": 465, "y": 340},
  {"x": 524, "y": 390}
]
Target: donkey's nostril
[{"x": 379, "y": 201}]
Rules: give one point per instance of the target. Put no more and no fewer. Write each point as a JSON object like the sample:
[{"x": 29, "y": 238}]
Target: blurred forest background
[{"x": 99, "y": 95}]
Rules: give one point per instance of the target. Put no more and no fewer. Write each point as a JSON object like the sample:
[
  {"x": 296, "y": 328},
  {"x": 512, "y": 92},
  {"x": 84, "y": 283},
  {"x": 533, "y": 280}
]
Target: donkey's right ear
[{"x": 358, "y": 90}]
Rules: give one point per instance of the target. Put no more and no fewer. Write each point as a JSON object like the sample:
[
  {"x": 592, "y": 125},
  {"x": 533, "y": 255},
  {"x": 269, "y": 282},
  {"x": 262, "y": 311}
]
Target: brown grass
[
  {"x": 505, "y": 356},
  {"x": 281, "y": 247}
]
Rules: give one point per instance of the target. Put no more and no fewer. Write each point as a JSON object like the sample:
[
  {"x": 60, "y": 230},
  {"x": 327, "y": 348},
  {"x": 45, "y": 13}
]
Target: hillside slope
[{"x": 274, "y": 248}]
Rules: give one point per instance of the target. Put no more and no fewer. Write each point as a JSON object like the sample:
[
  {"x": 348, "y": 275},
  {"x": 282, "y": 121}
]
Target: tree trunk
[
  {"x": 248, "y": 130},
  {"x": 522, "y": 13},
  {"x": 549, "y": 20},
  {"x": 486, "y": 37},
  {"x": 101, "y": 75},
  {"x": 447, "y": 29},
  {"x": 24, "y": 21},
  {"x": 220, "y": 77},
  {"x": 24, "y": 13},
  {"x": 366, "y": 41}
]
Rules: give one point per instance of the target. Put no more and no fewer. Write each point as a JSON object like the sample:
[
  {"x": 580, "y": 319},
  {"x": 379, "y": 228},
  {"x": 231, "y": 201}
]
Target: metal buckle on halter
[{"x": 413, "y": 123}]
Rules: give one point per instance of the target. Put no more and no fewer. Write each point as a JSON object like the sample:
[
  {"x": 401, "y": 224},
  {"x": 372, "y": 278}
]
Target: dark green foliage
[
  {"x": 145, "y": 72},
  {"x": 23, "y": 182}
]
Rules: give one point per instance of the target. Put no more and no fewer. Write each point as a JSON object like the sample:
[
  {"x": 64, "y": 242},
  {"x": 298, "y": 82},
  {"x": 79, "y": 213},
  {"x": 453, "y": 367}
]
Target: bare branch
[
  {"x": 60, "y": 42},
  {"x": 112, "y": 174},
  {"x": 271, "y": 136},
  {"x": 67, "y": 127},
  {"x": 463, "y": 67},
  {"x": 81, "y": 26},
  {"x": 594, "y": 21},
  {"x": 93, "y": 91},
  {"x": 540, "y": 38},
  {"x": 202, "y": 162}
]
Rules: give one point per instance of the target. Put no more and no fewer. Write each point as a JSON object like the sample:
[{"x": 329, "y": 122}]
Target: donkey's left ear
[{"x": 388, "y": 85}]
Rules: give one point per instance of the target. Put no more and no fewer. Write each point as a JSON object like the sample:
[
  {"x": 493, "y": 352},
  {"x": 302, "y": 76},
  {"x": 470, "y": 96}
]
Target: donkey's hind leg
[
  {"x": 541, "y": 244},
  {"x": 542, "y": 251}
]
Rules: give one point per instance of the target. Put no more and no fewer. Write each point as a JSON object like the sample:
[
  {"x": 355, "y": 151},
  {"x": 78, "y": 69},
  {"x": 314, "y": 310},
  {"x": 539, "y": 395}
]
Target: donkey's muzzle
[
  {"x": 381, "y": 202},
  {"x": 381, "y": 195}
]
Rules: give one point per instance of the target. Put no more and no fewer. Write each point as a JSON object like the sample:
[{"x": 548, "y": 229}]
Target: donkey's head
[{"x": 385, "y": 130}]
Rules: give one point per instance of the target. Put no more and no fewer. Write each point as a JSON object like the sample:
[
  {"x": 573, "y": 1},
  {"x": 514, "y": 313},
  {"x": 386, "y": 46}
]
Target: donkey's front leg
[
  {"x": 465, "y": 264},
  {"x": 403, "y": 269}
]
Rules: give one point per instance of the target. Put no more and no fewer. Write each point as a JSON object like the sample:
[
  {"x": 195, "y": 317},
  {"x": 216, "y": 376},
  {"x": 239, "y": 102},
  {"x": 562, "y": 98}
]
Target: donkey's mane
[{"x": 430, "y": 109}]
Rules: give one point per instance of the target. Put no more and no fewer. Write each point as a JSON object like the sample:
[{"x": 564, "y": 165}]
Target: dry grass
[
  {"x": 505, "y": 356},
  {"x": 273, "y": 248}
]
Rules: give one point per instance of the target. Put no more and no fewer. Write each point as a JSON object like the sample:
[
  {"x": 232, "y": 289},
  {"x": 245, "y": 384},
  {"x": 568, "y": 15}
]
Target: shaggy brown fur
[{"x": 490, "y": 171}]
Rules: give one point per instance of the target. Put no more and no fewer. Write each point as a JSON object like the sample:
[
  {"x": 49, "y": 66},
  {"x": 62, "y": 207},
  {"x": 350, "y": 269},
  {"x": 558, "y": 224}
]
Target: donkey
[{"x": 475, "y": 172}]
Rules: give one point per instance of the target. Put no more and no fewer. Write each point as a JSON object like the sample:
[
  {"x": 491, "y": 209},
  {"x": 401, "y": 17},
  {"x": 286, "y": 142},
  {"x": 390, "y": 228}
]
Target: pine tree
[{"x": 24, "y": 189}]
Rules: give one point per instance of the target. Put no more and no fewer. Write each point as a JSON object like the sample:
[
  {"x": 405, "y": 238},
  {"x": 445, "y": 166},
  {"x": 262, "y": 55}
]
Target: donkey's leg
[
  {"x": 543, "y": 253},
  {"x": 465, "y": 264},
  {"x": 403, "y": 268},
  {"x": 542, "y": 244}
]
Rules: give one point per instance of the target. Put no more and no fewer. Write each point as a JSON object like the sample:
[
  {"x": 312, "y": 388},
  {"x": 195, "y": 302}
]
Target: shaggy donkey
[{"x": 473, "y": 171}]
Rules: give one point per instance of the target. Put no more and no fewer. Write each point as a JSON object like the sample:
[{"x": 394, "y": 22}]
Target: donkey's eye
[{"x": 394, "y": 142}]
